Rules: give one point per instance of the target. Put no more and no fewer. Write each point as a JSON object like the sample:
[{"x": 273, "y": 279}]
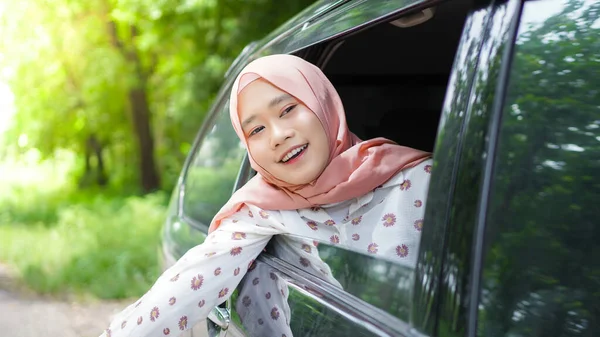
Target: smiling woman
[
  {"x": 313, "y": 176},
  {"x": 284, "y": 137}
]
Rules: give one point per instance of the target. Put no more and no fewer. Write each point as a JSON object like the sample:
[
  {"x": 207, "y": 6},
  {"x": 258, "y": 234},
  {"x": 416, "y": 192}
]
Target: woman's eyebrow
[
  {"x": 248, "y": 121},
  {"x": 275, "y": 101}
]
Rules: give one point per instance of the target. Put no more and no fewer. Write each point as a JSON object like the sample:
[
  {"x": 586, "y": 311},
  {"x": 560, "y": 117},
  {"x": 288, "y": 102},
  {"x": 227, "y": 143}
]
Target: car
[{"x": 505, "y": 95}]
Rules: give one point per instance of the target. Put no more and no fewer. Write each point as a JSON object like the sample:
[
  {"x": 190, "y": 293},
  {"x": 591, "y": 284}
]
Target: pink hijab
[{"x": 355, "y": 167}]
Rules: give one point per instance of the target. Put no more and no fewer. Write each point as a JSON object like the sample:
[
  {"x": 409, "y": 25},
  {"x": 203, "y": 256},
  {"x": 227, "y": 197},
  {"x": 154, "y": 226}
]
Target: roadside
[{"x": 25, "y": 314}]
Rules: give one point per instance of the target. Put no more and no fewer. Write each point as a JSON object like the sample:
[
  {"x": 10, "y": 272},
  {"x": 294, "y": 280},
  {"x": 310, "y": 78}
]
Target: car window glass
[
  {"x": 213, "y": 170},
  {"x": 541, "y": 271},
  {"x": 377, "y": 281},
  {"x": 454, "y": 286},
  {"x": 447, "y": 150},
  {"x": 268, "y": 302}
]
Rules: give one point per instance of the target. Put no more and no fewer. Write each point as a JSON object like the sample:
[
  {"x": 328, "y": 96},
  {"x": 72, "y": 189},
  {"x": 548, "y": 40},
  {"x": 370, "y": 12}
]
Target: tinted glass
[
  {"x": 378, "y": 282},
  {"x": 269, "y": 302},
  {"x": 213, "y": 170},
  {"x": 446, "y": 151},
  {"x": 541, "y": 273},
  {"x": 456, "y": 283}
]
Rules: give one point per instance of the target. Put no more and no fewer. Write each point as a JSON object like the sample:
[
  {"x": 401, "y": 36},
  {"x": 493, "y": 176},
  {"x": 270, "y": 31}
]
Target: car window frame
[
  {"x": 447, "y": 152},
  {"x": 245, "y": 171}
]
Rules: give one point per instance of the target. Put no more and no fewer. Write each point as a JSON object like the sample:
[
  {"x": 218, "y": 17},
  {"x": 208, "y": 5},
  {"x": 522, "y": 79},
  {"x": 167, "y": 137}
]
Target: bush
[{"x": 63, "y": 241}]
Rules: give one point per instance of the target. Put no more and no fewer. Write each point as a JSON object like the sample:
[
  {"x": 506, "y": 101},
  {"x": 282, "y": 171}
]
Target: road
[
  {"x": 33, "y": 317},
  {"x": 24, "y": 314}
]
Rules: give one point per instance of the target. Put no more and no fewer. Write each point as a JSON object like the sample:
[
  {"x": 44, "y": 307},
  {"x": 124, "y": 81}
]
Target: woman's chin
[{"x": 310, "y": 179}]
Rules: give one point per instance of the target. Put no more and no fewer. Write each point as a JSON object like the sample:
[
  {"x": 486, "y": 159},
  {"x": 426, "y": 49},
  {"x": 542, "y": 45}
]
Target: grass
[{"x": 64, "y": 241}]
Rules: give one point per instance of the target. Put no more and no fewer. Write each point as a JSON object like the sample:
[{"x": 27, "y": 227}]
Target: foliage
[
  {"x": 94, "y": 243},
  {"x": 134, "y": 78},
  {"x": 123, "y": 85}
]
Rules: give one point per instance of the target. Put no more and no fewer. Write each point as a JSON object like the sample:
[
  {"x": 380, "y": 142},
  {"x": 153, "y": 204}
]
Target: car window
[
  {"x": 271, "y": 302},
  {"x": 379, "y": 282},
  {"x": 541, "y": 271},
  {"x": 212, "y": 172}
]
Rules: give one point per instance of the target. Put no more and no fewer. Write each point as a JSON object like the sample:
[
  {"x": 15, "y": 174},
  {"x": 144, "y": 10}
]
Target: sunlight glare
[{"x": 7, "y": 108}]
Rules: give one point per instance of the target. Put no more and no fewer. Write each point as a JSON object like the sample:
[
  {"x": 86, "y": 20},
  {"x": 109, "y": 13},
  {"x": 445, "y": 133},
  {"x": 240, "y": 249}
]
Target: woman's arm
[{"x": 202, "y": 279}]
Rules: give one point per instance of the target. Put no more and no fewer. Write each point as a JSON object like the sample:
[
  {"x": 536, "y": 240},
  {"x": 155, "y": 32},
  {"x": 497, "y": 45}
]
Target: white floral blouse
[{"x": 386, "y": 222}]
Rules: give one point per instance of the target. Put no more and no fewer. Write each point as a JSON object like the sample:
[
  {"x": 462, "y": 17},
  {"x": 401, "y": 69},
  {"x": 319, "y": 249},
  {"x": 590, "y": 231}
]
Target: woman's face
[{"x": 284, "y": 137}]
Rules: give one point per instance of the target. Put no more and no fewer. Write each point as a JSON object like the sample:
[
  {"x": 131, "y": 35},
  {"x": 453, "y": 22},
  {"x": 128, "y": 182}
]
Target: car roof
[{"x": 325, "y": 19}]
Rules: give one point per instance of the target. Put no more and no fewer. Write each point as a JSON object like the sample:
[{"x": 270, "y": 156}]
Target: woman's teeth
[{"x": 293, "y": 153}]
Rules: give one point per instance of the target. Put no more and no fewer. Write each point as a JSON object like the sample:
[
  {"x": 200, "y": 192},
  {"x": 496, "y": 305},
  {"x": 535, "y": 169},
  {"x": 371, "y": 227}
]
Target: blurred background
[{"x": 100, "y": 101}]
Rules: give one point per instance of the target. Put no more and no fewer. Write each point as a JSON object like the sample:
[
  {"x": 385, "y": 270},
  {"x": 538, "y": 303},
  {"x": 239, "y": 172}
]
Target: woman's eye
[
  {"x": 256, "y": 130},
  {"x": 288, "y": 109}
]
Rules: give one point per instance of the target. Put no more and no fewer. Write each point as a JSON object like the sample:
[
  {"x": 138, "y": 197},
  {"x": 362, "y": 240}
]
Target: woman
[{"x": 315, "y": 180}]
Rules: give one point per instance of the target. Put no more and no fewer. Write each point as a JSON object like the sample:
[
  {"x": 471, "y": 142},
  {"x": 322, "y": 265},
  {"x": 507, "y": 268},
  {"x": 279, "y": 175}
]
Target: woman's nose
[{"x": 279, "y": 134}]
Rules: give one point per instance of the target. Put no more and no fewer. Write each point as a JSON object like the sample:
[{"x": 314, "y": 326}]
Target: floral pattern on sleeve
[{"x": 200, "y": 280}]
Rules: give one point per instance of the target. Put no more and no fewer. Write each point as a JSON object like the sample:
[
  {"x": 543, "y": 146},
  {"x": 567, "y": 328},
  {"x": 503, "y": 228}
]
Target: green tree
[{"x": 124, "y": 83}]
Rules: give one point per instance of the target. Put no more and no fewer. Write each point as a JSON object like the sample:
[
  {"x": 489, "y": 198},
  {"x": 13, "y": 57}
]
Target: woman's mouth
[{"x": 294, "y": 155}]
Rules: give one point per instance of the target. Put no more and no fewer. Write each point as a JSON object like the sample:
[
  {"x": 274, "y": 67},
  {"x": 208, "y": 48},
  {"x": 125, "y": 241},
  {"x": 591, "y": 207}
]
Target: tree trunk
[
  {"x": 141, "y": 121},
  {"x": 140, "y": 110},
  {"x": 84, "y": 179},
  {"x": 95, "y": 146}
]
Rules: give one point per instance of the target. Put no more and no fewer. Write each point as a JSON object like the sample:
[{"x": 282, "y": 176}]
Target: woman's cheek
[{"x": 258, "y": 152}]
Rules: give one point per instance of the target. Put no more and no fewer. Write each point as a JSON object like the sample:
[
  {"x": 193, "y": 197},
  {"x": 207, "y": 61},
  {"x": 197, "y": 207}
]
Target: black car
[{"x": 506, "y": 94}]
